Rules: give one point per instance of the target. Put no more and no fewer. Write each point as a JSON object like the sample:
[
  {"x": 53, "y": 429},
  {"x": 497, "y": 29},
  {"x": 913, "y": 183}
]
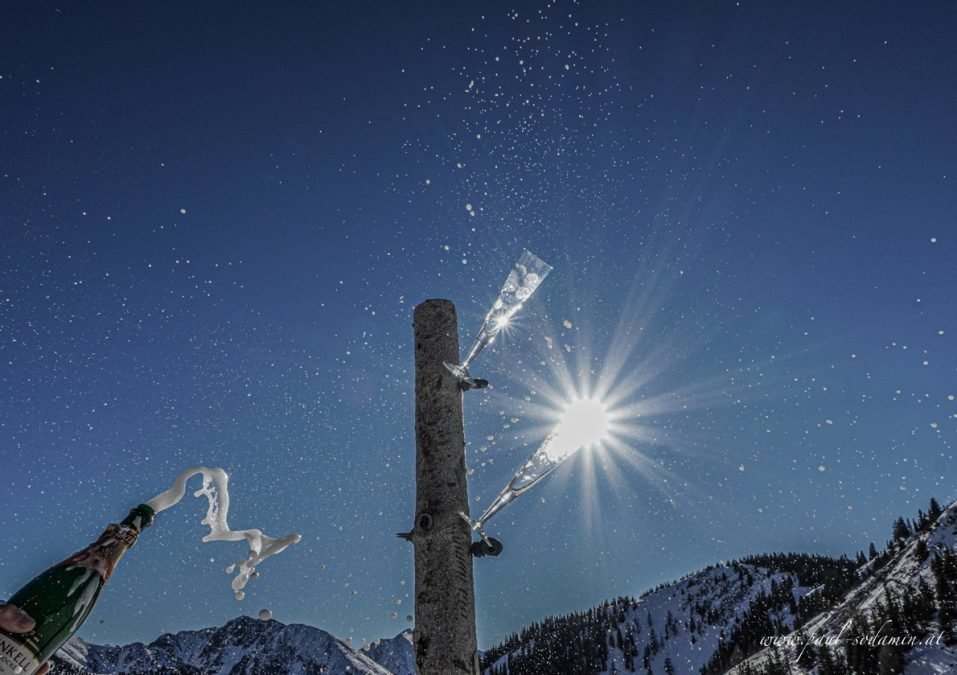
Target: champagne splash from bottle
[{"x": 216, "y": 492}]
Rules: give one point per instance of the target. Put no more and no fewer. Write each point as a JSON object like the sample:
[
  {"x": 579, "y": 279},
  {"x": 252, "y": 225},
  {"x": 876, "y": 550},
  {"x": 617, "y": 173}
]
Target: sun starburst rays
[{"x": 643, "y": 396}]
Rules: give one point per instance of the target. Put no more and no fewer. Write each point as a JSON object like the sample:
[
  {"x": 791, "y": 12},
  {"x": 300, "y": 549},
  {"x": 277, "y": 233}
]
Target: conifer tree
[
  {"x": 934, "y": 511},
  {"x": 944, "y": 567},
  {"x": 920, "y": 550},
  {"x": 901, "y": 530}
]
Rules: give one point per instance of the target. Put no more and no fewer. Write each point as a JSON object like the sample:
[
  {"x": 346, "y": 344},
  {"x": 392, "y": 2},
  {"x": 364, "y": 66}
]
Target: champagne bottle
[{"x": 61, "y": 598}]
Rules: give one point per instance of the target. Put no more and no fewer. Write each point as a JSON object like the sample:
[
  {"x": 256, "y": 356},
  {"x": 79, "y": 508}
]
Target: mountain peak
[
  {"x": 242, "y": 646},
  {"x": 711, "y": 621}
]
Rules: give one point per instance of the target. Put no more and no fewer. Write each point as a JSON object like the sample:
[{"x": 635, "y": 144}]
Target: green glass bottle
[{"x": 60, "y": 599}]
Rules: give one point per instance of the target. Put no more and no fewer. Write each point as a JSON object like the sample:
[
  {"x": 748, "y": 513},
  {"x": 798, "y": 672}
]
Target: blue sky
[{"x": 216, "y": 222}]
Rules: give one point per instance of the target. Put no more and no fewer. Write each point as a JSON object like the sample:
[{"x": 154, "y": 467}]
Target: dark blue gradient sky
[{"x": 216, "y": 219}]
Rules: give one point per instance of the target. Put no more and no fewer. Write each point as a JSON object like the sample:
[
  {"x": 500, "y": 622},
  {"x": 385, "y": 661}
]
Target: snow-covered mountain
[
  {"x": 718, "y": 620},
  {"x": 676, "y": 628},
  {"x": 908, "y": 593},
  {"x": 395, "y": 655},
  {"x": 244, "y": 646}
]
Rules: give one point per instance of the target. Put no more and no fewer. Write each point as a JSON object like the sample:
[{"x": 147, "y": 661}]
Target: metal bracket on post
[
  {"x": 466, "y": 381},
  {"x": 487, "y": 546}
]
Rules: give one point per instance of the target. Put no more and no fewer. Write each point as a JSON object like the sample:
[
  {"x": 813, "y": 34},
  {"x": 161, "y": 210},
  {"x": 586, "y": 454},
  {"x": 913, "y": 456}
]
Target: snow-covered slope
[
  {"x": 673, "y": 629},
  {"x": 907, "y": 574},
  {"x": 395, "y": 655},
  {"x": 712, "y": 621},
  {"x": 708, "y": 621},
  {"x": 243, "y": 646}
]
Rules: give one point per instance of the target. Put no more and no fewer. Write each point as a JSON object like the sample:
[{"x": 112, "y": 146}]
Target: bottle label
[
  {"x": 102, "y": 555},
  {"x": 15, "y": 658}
]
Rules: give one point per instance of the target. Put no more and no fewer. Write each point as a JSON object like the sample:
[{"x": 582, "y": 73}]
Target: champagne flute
[{"x": 527, "y": 274}]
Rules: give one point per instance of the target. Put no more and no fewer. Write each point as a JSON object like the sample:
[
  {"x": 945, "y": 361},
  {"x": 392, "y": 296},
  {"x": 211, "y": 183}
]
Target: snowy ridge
[
  {"x": 395, "y": 655},
  {"x": 908, "y": 568},
  {"x": 710, "y": 622},
  {"x": 675, "y": 628},
  {"x": 244, "y": 646},
  {"x": 722, "y": 619}
]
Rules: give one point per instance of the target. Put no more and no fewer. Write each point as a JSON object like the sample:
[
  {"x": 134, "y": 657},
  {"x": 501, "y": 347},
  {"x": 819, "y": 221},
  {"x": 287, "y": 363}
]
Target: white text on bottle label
[{"x": 15, "y": 659}]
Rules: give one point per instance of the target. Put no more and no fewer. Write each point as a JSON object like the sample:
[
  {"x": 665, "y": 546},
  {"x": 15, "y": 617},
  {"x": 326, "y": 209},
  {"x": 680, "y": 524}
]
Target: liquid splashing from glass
[
  {"x": 215, "y": 490},
  {"x": 526, "y": 276},
  {"x": 584, "y": 423}
]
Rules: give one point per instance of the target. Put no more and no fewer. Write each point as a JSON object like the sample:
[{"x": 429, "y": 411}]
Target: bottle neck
[
  {"x": 139, "y": 518},
  {"x": 102, "y": 555}
]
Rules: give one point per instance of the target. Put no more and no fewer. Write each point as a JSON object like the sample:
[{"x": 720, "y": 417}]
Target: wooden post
[{"x": 444, "y": 635}]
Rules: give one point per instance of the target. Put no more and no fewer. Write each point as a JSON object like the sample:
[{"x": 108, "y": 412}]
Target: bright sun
[{"x": 584, "y": 423}]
